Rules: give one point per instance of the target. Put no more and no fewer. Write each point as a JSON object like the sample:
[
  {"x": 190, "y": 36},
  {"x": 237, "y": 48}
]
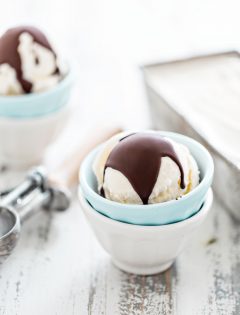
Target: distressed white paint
[{"x": 58, "y": 268}]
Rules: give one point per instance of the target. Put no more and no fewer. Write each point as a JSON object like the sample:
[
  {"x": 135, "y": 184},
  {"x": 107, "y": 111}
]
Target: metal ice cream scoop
[
  {"x": 39, "y": 191},
  {"x": 23, "y": 201}
]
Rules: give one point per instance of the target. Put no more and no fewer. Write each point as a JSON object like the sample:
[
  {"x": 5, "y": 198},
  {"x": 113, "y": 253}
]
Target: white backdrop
[{"x": 107, "y": 41}]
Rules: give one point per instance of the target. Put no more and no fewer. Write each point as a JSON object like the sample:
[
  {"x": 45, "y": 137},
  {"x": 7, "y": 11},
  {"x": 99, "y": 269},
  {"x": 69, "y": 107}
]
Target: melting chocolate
[
  {"x": 138, "y": 157},
  {"x": 9, "y": 43},
  {"x": 102, "y": 192}
]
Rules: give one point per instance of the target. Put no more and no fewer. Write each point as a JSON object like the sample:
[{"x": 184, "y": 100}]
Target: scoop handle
[
  {"x": 67, "y": 173},
  {"x": 56, "y": 195}
]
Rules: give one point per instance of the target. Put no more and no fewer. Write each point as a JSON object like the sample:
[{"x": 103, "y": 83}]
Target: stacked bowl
[
  {"x": 35, "y": 87},
  {"x": 146, "y": 239},
  {"x": 30, "y": 122}
]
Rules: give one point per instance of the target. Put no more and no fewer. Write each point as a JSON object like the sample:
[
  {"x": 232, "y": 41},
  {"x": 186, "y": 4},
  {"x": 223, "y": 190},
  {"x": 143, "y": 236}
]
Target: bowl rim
[
  {"x": 194, "y": 218},
  {"x": 32, "y": 119},
  {"x": 67, "y": 79},
  {"x": 208, "y": 177}
]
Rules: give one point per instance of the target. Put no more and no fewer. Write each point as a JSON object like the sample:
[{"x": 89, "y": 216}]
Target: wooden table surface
[{"x": 58, "y": 268}]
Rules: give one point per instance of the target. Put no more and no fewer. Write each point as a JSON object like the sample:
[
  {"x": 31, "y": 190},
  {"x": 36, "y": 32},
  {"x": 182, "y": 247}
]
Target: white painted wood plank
[{"x": 58, "y": 267}]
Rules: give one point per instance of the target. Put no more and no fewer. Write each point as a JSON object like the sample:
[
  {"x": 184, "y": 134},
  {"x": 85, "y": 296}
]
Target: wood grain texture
[{"x": 59, "y": 268}]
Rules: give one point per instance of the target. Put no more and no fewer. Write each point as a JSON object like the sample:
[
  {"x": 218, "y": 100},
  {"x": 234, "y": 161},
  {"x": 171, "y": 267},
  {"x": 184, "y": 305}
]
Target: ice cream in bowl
[
  {"x": 35, "y": 87},
  {"x": 147, "y": 178},
  {"x": 144, "y": 193}
]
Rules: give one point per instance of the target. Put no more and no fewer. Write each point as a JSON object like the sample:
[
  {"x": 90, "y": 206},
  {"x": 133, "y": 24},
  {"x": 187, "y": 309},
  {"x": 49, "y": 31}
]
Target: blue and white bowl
[
  {"x": 143, "y": 250},
  {"x": 154, "y": 214},
  {"x": 29, "y": 123}
]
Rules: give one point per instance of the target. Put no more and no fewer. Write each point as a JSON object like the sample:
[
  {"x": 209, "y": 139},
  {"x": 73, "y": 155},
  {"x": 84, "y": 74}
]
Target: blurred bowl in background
[
  {"x": 30, "y": 123},
  {"x": 37, "y": 104},
  {"x": 23, "y": 141}
]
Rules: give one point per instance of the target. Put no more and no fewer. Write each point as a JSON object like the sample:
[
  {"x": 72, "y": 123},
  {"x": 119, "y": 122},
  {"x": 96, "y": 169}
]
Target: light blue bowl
[
  {"x": 155, "y": 214},
  {"x": 37, "y": 104}
]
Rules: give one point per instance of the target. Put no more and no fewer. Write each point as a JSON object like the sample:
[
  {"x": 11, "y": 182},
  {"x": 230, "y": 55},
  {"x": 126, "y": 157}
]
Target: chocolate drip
[
  {"x": 102, "y": 192},
  {"x": 138, "y": 157},
  {"x": 9, "y": 43}
]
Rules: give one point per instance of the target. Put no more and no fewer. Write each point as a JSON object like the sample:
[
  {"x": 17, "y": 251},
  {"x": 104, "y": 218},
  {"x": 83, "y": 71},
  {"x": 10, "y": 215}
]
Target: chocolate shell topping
[
  {"x": 9, "y": 43},
  {"x": 138, "y": 157}
]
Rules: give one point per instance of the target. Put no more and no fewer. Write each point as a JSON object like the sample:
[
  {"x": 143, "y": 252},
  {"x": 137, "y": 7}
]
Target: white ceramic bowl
[
  {"x": 30, "y": 122},
  {"x": 158, "y": 213},
  {"x": 140, "y": 249},
  {"x": 24, "y": 141}
]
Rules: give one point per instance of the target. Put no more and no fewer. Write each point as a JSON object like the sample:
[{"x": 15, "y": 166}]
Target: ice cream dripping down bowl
[{"x": 152, "y": 214}]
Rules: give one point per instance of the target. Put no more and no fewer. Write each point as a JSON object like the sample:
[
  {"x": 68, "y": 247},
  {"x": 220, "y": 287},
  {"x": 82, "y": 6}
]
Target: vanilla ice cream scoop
[
  {"x": 28, "y": 62},
  {"x": 144, "y": 168}
]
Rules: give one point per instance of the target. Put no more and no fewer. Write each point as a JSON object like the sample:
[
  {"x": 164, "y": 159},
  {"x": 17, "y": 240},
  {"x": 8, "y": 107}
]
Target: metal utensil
[
  {"x": 40, "y": 191},
  {"x": 23, "y": 201}
]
